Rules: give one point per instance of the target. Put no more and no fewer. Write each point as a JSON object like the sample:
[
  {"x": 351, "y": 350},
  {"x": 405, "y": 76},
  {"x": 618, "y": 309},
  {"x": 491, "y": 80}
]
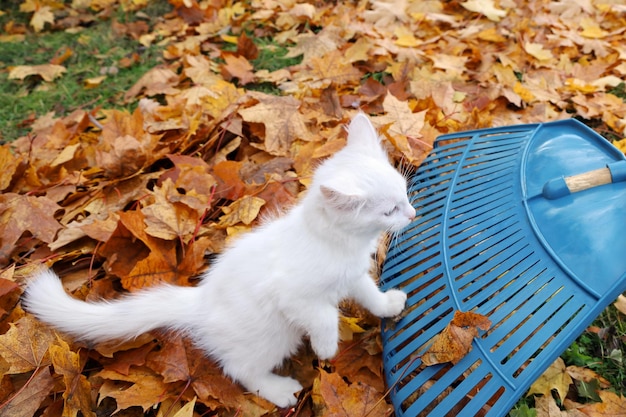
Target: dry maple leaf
[
  {"x": 339, "y": 399},
  {"x": 238, "y": 67},
  {"x": 27, "y": 401},
  {"x": 244, "y": 210},
  {"x": 555, "y": 377},
  {"x": 22, "y": 213},
  {"x": 77, "y": 394},
  {"x": 147, "y": 390},
  {"x": 612, "y": 405},
  {"x": 46, "y": 71},
  {"x": 25, "y": 346},
  {"x": 282, "y": 120},
  {"x": 486, "y": 7},
  {"x": 455, "y": 341}
]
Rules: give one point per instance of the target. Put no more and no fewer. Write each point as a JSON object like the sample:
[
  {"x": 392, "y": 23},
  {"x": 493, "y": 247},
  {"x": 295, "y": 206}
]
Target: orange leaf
[
  {"x": 612, "y": 405},
  {"x": 340, "y": 399},
  {"x": 238, "y": 67},
  {"x": 455, "y": 341},
  {"x": 21, "y": 213}
]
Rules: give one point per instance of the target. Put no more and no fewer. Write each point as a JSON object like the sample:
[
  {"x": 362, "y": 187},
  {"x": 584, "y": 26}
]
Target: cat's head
[{"x": 359, "y": 187}]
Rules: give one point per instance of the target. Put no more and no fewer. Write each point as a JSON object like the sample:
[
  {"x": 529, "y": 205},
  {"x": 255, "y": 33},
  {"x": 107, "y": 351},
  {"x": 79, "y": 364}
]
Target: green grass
[{"x": 96, "y": 49}]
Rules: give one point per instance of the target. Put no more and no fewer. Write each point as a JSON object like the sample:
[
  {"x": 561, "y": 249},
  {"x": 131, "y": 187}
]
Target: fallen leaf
[
  {"x": 338, "y": 398},
  {"x": 612, "y": 405},
  {"x": 26, "y": 213},
  {"x": 537, "y": 50},
  {"x": 42, "y": 16},
  {"x": 25, "y": 346},
  {"x": 46, "y": 71},
  {"x": 455, "y": 341},
  {"x": 27, "y": 401},
  {"x": 546, "y": 407},
  {"x": 146, "y": 388},
  {"x": 77, "y": 394},
  {"x": 486, "y": 7},
  {"x": 555, "y": 377},
  {"x": 620, "y": 304},
  {"x": 244, "y": 210},
  {"x": 238, "y": 67},
  {"x": 282, "y": 120}
]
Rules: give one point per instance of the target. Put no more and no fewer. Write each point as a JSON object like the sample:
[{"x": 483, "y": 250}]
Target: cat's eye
[{"x": 392, "y": 211}]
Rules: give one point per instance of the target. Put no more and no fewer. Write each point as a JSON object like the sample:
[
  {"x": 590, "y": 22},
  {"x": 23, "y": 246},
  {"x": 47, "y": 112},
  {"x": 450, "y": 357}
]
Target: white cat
[{"x": 274, "y": 285}]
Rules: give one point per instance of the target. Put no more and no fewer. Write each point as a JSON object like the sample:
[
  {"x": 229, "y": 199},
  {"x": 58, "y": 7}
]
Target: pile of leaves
[{"x": 119, "y": 201}]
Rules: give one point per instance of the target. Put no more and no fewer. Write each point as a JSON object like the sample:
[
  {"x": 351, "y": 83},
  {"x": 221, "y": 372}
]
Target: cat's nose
[{"x": 411, "y": 212}]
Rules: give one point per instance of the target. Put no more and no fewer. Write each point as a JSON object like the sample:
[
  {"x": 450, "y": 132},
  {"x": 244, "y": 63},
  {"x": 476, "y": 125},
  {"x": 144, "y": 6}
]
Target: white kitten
[{"x": 274, "y": 285}]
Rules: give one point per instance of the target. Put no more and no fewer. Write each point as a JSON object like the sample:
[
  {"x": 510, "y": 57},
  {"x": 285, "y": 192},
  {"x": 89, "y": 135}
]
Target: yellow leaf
[
  {"x": 537, "y": 51},
  {"x": 244, "y": 210},
  {"x": 348, "y": 326},
  {"x": 187, "y": 409},
  {"x": 555, "y": 377},
  {"x": 491, "y": 35},
  {"x": 41, "y": 17},
  {"x": 523, "y": 92},
  {"x": 405, "y": 37},
  {"x": 591, "y": 29},
  {"x": 77, "y": 395},
  {"x": 486, "y": 7},
  {"x": 94, "y": 81}
]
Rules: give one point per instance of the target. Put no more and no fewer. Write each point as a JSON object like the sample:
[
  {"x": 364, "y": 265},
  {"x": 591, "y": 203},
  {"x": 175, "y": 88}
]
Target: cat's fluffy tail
[{"x": 164, "y": 306}]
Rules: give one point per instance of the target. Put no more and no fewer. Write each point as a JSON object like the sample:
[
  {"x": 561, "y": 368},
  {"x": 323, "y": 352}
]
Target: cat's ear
[
  {"x": 339, "y": 200},
  {"x": 361, "y": 133}
]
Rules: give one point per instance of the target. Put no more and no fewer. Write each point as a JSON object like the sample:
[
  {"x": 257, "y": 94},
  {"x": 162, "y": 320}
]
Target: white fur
[{"x": 274, "y": 285}]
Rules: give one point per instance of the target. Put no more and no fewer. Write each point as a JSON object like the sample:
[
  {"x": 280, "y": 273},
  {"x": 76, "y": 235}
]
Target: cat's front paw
[
  {"x": 396, "y": 301},
  {"x": 325, "y": 349}
]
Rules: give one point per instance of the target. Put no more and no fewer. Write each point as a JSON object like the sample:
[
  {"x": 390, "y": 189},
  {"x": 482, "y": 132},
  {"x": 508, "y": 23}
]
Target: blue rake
[{"x": 506, "y": 228}]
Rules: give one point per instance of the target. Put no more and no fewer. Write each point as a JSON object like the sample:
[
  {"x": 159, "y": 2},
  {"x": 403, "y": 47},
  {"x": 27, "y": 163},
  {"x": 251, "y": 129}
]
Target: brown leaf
[
  {"x": 231, "y": 186},
  {"x": 546, "y": 407},
  {"x": 282, "y": 120},
  {"x": 158, "y": 80},
  {"x": 169, "y": 219},
  {"x": 9, "y": 163},
  {"x": 26, "y": 213},
  {"x": 586, "y": 375},
  {"x": 455, "y": 341},
  {"x": 26, "y": 402},
  {"x": 170, "y": 360}
]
